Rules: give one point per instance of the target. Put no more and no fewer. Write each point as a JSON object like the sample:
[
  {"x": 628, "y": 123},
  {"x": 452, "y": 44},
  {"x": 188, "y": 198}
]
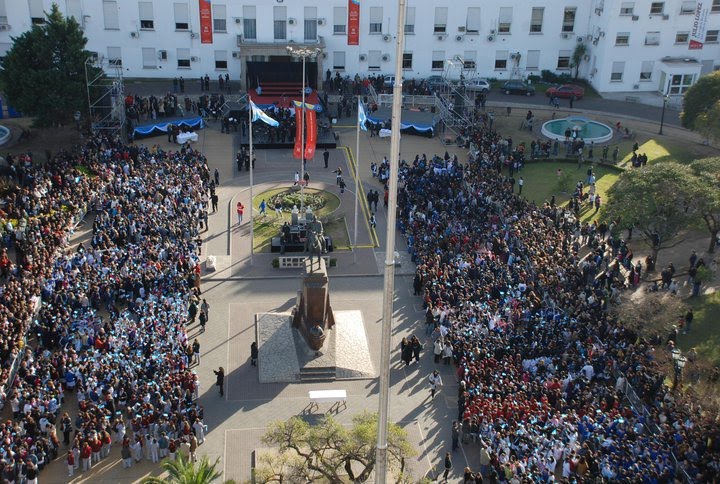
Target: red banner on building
[
  {"x": 205, "y": 22},
  {"x": 353, "y": 22},
  {"x": 310, "y": 133}
]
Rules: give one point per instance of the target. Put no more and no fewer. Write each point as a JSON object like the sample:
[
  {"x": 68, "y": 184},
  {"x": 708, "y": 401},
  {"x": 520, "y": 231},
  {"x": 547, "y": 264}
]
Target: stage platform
[
  {"x": 159, "y": 126},
  {"x": 261, "y": 140},
  {"x": 282, "y": 94},
  {"x": 420, "y": 123}
]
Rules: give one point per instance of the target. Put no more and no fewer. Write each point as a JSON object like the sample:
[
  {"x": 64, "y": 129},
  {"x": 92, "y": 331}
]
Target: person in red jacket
[
  {"x": 70, "y": 463},
  {"x": 85, "y": 454},
  {"x": 96, "y": 446}
]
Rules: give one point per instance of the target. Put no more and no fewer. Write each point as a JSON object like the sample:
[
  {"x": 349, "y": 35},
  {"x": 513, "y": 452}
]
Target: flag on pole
[
  {"x": 259, "y": 114},
  {"x": 362, "y": 118}
]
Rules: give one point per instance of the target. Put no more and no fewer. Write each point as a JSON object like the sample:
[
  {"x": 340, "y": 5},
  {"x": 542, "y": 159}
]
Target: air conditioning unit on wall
[
  {"x": 490, "y": 38},
  {"x": 386, "y": 57},
  {"x": 292, "y": 21},
  {"x": 387, "y": 37},
  {"x": 321, "y": 21},
  {"x": 459, "y": 38},
  {"x": 363, "y": 57},
  {"x": 236, "y": 55},
  {"x": 194, "y": 59}
]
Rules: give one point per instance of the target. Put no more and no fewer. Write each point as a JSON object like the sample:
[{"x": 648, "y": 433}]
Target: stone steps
[{"x": 320, "y": 373}]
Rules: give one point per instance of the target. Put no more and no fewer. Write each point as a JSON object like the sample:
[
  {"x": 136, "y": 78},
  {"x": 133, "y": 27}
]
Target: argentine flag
[
  {"x": 258, "y": 114},
  {"x": 362, "y": 118}
]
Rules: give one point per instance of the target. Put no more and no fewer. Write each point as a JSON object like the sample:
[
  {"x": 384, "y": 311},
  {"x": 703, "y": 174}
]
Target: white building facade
[{"x": 641, "y": 45}]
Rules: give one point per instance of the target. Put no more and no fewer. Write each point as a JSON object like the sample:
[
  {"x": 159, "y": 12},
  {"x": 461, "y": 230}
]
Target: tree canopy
[
  {"x": 183, "y": 471},
  {"x": 43, "y": 74},
  {"x": 707, "y": 202},
  {"x": 328, "y": 451},
  {"x": 657, "y": 200},
  {"x": 699, "y": 99}
]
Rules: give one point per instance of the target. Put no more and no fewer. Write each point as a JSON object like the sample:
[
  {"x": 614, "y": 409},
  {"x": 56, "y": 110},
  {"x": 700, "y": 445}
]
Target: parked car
[
  {"x": 435, "y": 82},
  {"x": 566, "y": 91},
  {"x": 389, "y": 80},
  {"x": 478, "y": 85},
  {"x": 518, "y": 87}
]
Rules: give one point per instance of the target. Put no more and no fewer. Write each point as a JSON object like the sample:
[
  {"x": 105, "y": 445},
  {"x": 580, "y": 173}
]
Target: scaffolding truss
[{"x": 106, "y": 98}]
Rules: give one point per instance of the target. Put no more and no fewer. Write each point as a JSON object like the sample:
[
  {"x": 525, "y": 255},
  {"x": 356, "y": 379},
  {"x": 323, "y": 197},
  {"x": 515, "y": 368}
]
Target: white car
[{"x": 478, "y": 85}]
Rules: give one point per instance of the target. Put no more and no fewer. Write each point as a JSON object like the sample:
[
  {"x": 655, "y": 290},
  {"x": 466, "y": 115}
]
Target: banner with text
[
  {"x": 699, "y": 26},
  {"x": 353, "y": 22},
  {"x": 206, "y": 22}
]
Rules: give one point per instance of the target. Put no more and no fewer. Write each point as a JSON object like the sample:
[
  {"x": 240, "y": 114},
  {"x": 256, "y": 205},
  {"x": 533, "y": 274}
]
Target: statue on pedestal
[{"x": 313, "y": 315}]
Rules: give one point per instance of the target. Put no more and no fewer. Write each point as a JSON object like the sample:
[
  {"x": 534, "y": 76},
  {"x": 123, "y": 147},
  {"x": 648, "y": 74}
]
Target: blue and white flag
[
  {"x": 259, "y": 114},
  {"x": 362, "y": 118}
]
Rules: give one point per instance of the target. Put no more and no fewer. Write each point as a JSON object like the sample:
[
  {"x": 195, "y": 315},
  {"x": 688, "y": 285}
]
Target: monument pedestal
[{"x": 312, "y": 315}]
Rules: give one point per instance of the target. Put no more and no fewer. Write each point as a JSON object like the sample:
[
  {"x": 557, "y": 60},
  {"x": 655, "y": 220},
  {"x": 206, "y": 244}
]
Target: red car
[{"x": 566, "y": 91}]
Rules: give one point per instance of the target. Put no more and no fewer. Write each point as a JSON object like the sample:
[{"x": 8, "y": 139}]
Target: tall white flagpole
[
  {"x": 252, "y": 223},
  {"x": 357, "y": 183},
  {"x": 381, "y": 467}
]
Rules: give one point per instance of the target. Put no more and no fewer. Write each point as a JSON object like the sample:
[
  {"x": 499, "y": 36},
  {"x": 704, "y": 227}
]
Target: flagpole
[
  {"x": 381, "y": 466},
  {"x": 357, "y": 183},
  {"x": 252, "y": 223}
]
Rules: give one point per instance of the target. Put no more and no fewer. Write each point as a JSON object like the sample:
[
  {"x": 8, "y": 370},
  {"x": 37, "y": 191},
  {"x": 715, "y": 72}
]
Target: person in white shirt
[{"x": 435, "y": 381}]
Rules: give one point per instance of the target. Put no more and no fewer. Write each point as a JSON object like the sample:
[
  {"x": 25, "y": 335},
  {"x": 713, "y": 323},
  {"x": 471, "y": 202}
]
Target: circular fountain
[
  {"x": 579, "y": 127},
  {"x": 4, "y": 135}
]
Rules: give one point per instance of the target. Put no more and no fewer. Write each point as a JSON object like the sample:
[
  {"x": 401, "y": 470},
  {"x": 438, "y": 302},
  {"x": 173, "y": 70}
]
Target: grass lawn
[
  {"x": 657, "y": 149},
  {"x": 541, "y": 182},
  {"x": 269, "y": 226},
  {"x": 704, "y": 333}
]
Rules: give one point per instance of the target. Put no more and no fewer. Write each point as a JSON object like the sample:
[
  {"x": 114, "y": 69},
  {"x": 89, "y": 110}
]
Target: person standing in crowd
[
  {"x": 70, "y": 461},
  {"x": 448, "y": 462},
  {"x": 253, "y": 353},
  {"x": 220, "y": 380},
  {"x": 326, "y": 157},
  {"x": 196, "y": 350}
]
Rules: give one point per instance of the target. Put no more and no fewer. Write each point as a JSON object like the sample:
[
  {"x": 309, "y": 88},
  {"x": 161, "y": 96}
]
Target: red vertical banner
[
  {"x": 298, "y": 148},
  {"x": 353, "y": 35},
  {"x": 205, "y": 22},
  {"x": 310, "y": 133}
]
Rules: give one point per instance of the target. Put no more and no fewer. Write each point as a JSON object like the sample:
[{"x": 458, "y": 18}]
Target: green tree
[
  {"x": 700, "y": 99},
  {"x": 657, "y": 199},
  {"x": 182, "y": 471},
  {"x": 707, "y": 203},
  {"x": 43, "y": 74},
  {"x": 708, "y": 123},
  {"x": 578, "y": 56},
  {"x": 330, "y": 452}
]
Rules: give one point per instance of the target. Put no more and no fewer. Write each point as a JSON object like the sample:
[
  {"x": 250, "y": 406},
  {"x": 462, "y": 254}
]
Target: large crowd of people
[
  {"x": 543, "y": 367},
  {"x": 103, "y": 319}
]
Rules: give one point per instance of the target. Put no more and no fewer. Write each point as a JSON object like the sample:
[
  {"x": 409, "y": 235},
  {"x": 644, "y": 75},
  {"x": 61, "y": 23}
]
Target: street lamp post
[
  {"x": 662, "y": 115},
  {"x": 304, "y": 53}
]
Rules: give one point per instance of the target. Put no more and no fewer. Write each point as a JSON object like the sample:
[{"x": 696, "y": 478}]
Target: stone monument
[{"x": 312, "y": 315}]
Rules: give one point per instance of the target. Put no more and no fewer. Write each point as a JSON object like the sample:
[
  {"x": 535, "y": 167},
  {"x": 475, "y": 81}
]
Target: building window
[
  {"x": 711, "y": 36},
  {"x": 182, "y": 17},
  {"x": 652, "y": 38},
  {"x": 407, "y": 60},
  {"x": 114, "y": 56},
  {"x": 469, "y": 59},
  {"x": 715, "y": 8},
  {"x": 679, "y": 83},
  {"x": 563, "y": 62},
  {"x": 37, "y": 16},
  {"x": 183, "y": 58},
  {"x": 311, "y": 24},
  {"x": 339, "y": 60},
  {"x": 532, "y": 61},
  {"x": 149, "y": 58},
  {"x": 249, "y": 23},
  {"x": 536, "y": 20},
  {"x": 219, "y": 14},
  {"x": 440, "y": 26},
  {"x": 627, "y": 8},
  {"x": 646, "y": 70},
  {"x": 472, "y": 23},
  {"x": 339, "y": 20},
  {"x": 147, "y": 19},
  {"x": 110, "y": 15},
  {"x": 410, "y": 20},
  {"x": 438, "y": 60},
  {"x": 688, "y": 7},
  {"x": 221, "y": 59},
  {"x": 505, "y": 20},
  {"x": 501, "y": 59},
  {"x": 682, "y": 37},
  {"x": 376, "y": 14},
  {"x": 569, "y": 19},
  {"x": 622, "y": 39},
  {"x": 279, "y": 23},
  {"x": 657, "y": 8},
  {"x": 617, "y": 71},
  {"x": 374, "y": 57}
]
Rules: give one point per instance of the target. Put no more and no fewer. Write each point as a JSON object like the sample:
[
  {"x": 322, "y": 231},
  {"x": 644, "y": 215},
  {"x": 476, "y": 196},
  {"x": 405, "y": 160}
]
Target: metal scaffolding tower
[{"x": 106, "y": 98}]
